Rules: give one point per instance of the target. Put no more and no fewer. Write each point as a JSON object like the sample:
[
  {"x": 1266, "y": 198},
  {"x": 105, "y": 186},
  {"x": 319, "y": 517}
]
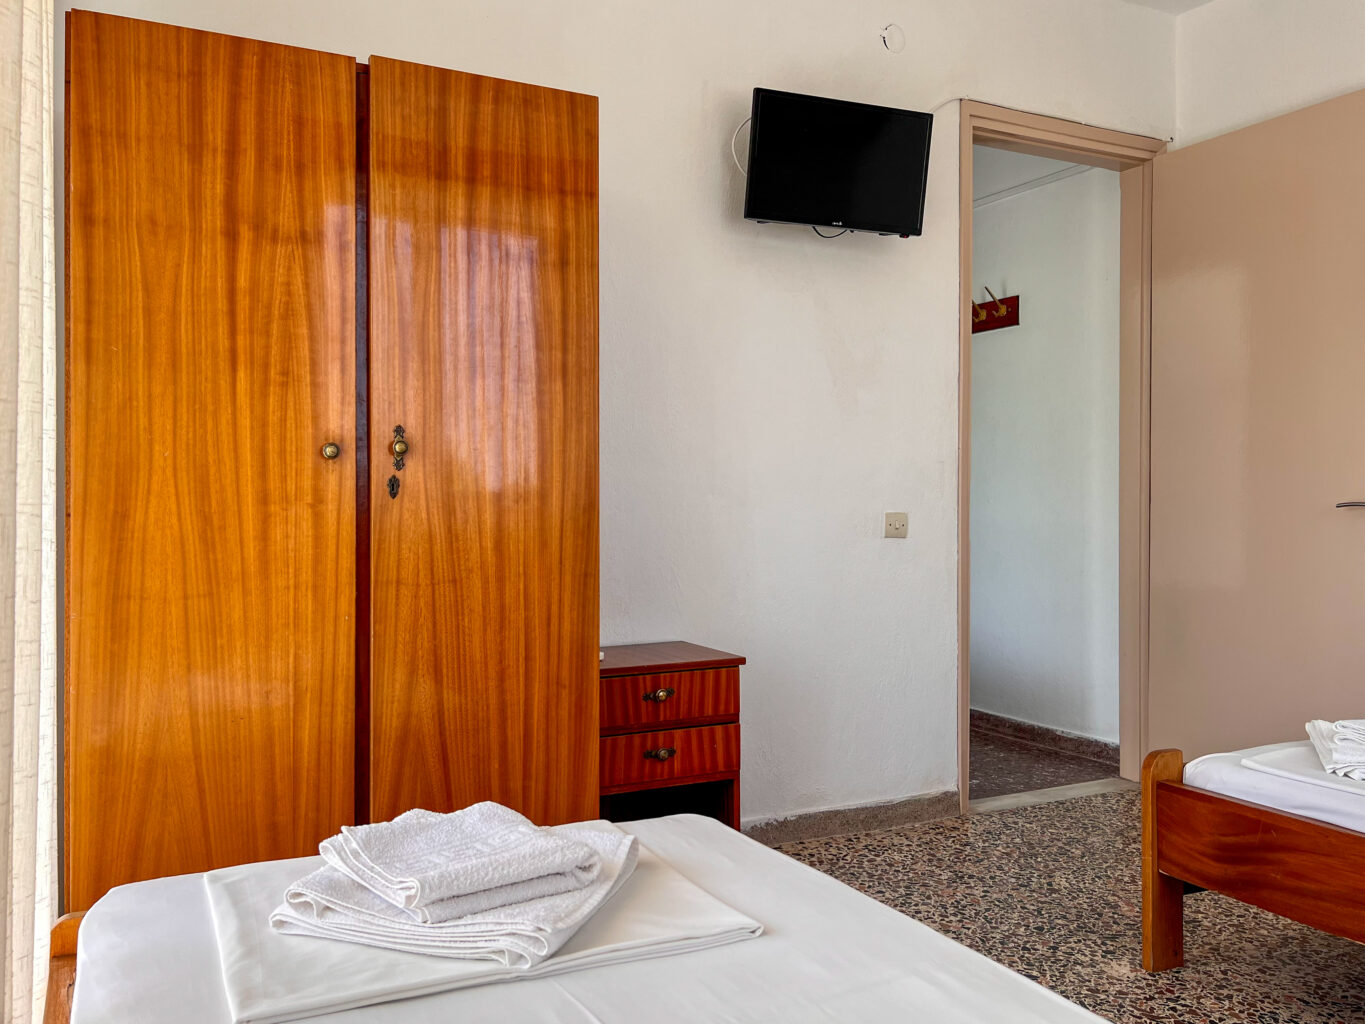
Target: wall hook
[{"x": 997, "y": 313}]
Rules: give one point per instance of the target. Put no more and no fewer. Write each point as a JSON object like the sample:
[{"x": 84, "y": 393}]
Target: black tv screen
[{"x": 837, "y": 164}]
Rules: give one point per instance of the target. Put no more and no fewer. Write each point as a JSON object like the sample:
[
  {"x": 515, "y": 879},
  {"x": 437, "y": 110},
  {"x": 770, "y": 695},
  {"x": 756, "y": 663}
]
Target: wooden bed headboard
[{"x": 61, "y": 969}]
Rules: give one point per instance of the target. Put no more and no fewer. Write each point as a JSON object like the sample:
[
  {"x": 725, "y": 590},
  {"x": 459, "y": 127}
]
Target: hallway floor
[{"x": 1007, "y": 764}]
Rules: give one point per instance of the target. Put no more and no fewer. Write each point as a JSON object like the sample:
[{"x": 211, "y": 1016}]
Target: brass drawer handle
[
  {"x": 660, "y": 695},
  {"x": 331, "y": 450},
  {"x": 662, "y": 754}
]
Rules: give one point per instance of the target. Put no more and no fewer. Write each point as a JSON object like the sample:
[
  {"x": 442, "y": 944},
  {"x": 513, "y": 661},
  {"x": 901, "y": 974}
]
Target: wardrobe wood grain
[
  {"x": 210, "y": 547},
  {"x": 483, "y": 342}
]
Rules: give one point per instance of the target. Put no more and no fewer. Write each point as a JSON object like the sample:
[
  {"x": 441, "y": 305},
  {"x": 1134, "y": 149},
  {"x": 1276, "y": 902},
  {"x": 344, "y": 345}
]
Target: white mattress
[
  {"x": 1296, "y": 790},
  {"x": 147, "y": 953}
]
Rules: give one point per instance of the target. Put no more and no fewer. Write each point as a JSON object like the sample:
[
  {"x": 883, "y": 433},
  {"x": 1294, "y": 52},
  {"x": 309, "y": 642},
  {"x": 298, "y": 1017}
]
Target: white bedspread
[
  {"x": 828, "y": 954},
  {"x": 1286, "y": 776},
  {"x": 272, "y": 978}
]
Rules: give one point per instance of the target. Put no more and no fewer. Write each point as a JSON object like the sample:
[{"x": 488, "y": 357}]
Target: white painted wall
[
  {"x": 1045, "y": 448},
  {"x": 767, "y": 395},
  {"x": 1243, "y": 61}
]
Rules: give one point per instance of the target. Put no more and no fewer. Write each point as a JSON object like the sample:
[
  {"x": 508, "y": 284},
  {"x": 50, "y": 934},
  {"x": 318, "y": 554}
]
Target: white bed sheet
[
  {"x": 1226, "y": 774},
  {"x": 147, "y": 953}
]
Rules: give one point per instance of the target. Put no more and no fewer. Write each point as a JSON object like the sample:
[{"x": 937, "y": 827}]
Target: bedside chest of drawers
[{"x": 670, "y": 731}]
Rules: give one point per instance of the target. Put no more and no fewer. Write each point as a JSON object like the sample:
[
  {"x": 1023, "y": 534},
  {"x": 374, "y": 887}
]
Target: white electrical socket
[{"x": 897, "y": 525}]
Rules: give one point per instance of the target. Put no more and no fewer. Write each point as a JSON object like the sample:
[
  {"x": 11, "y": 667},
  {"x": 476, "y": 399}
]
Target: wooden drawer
[
  {"x": 702, "y": 697},
  {"x": 708, "y": 750}
]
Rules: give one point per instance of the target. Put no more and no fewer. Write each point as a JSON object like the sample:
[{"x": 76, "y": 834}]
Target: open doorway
[
  {"x": 1106, "y": 635},
  {"x": 1044, "y": 516}
]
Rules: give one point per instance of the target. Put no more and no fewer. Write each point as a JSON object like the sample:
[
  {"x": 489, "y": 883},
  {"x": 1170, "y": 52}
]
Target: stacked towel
[
  {"x": 1340, "y": 746},
  {"x": 480, "y": 884},
  {"x": 271, "y": 978},
  {"x": 442, "y": 866}
]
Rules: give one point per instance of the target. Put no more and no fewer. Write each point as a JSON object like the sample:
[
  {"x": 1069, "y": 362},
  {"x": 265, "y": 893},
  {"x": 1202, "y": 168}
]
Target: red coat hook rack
[{"x": 995, "y": 314}]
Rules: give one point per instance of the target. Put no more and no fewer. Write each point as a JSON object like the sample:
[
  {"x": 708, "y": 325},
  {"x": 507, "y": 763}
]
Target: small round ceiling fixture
[{"x": 893, "y": 38}]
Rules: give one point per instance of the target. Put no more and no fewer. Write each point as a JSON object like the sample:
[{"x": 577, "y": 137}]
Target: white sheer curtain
[{"x": 28, "y": 562}]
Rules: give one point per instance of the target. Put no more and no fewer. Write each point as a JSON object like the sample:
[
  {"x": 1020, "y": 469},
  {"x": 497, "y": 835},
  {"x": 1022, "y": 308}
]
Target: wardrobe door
[
  {"x": 210, "y": 560},
  {"x": 483, "y": 349}
]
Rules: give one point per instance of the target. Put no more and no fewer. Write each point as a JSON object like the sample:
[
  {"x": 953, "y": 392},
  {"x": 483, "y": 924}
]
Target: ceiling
[
  {"x": 1172, "y": 6},
  {"x": 998, "y": 170}
]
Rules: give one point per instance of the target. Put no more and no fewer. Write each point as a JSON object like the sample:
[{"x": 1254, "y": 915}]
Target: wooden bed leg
[{"x": 1163, "y": 897}]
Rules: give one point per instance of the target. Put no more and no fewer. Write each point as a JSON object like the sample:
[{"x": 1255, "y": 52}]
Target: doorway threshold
[{"x": 1010, "y": 801}]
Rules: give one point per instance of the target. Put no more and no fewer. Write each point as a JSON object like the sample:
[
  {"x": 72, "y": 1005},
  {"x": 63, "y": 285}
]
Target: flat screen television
[{"x": 836, "y": 164}]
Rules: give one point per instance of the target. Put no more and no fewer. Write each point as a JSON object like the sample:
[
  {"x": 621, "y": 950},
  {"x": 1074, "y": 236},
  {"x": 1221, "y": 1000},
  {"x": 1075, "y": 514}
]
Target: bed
[
  {"x": 1259, "y": 825},
  {"x": 147, "y": 952}
]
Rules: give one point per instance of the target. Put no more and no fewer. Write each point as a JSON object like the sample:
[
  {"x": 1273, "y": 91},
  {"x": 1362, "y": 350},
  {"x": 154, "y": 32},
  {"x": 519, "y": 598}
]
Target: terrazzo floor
[
  {"x": 1003, "y": 764},
  {"x": 1052, "y": 891}
]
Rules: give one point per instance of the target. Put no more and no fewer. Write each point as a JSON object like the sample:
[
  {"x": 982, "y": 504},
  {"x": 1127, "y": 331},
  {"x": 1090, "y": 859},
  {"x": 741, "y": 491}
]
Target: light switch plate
[{"x": 897, "y": 525}]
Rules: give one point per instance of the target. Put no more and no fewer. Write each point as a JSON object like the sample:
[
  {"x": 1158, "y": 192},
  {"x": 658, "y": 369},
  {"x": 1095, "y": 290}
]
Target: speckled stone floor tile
[
  {"x": 1052, "y": 891},
  {"x": 1002, "y": 764}
]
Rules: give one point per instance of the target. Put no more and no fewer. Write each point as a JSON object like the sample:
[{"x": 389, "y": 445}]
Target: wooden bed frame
[
  {"x": 61, "y": 969},
  {"x": 1193, "y": 839}
]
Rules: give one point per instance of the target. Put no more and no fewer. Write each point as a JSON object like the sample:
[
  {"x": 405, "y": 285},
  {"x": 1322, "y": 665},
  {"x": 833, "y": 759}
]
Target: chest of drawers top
[{"x": 666, "y": 656}]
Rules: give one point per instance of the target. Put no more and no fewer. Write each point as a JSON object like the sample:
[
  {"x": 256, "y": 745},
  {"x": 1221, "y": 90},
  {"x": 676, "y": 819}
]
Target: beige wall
[{"x": 1258, "y": 429}]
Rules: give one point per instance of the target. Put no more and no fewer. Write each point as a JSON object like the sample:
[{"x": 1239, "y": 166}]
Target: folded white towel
[
  {"x": 1352, "y": 729},
  {"x": 444, "y": 866},
  {"x": 1340, "y": 746},
  {"x": 270, "y": 978},
  {"x": 330, "y": 904}
]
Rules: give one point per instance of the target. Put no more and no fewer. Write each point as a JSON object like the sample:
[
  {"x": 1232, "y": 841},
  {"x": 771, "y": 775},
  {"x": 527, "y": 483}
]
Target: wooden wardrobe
[{"x": 331, "y": 467}]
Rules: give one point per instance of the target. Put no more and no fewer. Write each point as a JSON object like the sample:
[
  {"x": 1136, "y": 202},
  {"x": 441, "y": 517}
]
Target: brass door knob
[
  {"x": 331, "y": 450},
  {"x": 660, "y": 695},
  {"x": 399, "y": 446},
  {"x": 662, "y": 754}
]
